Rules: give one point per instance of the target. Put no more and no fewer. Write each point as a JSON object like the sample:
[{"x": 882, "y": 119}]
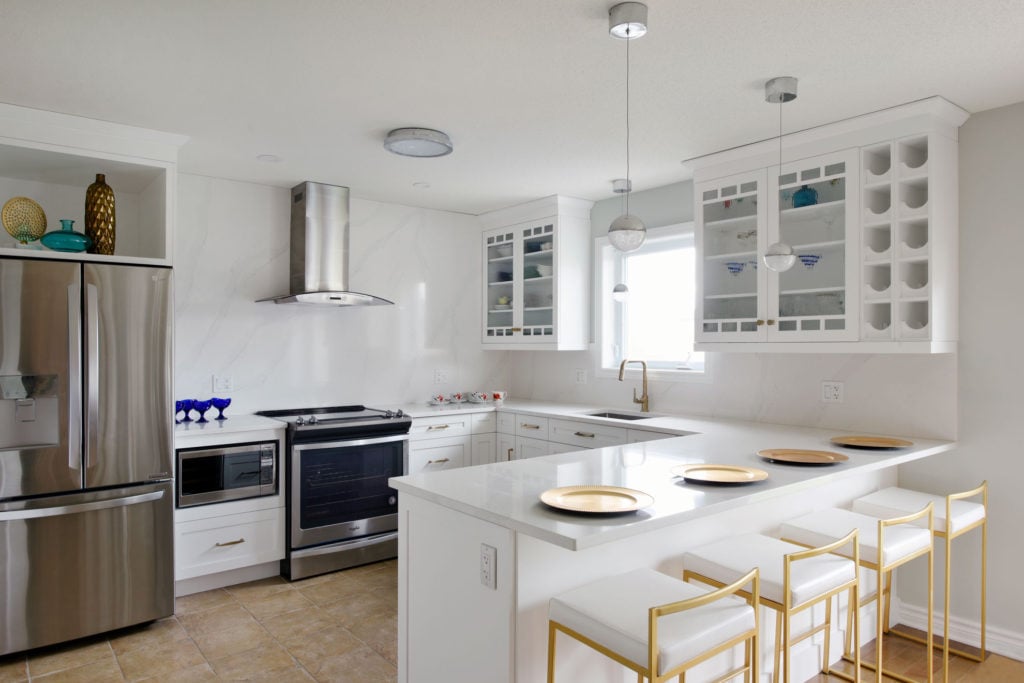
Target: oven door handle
[
  {"x": 315, "y": 445},
  {"x": 331, "y": 548}
]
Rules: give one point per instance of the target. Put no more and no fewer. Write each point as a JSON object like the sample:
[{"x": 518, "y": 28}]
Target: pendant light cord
[{"x": 629, "y": 183}]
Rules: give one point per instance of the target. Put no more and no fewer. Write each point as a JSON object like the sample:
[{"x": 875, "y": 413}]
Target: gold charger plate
[
  {"x": 859, "y": 441},
  {"x": 719, "y": 474},
  {"x": 23, "y": 219},
  {"x": 596, "y": 499},
  {"x": 801, "y": 456}
]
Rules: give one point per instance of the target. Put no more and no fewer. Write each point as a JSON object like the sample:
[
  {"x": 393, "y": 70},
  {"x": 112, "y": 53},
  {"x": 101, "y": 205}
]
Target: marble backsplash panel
[{"x": 232, "y": 249}]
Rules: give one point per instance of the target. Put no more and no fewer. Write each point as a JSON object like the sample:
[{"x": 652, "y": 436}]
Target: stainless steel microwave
[{"x": 221, "y": 473}]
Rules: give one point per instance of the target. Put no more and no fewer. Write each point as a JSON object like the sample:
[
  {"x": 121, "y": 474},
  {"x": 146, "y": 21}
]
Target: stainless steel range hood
[{"x": 318, "y": 267}]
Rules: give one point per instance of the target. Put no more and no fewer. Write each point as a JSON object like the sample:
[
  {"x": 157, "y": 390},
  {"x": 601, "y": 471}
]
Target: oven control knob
[
  {"x": 392, "y": 500},
  {"x": 388, "y": 413},
  {"x": 312, "y": 419},
  {"x": 399, "y": 413},
  {"x": 299, "y": 421}
]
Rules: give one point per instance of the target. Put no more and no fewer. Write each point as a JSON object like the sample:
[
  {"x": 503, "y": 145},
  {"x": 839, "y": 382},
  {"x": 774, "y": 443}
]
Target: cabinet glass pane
[{"x": 729, "y": 275}]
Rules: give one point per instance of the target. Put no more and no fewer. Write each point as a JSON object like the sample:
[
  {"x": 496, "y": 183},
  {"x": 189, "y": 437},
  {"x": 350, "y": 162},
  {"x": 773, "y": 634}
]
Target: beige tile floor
[{"x": 339, "y": 627}]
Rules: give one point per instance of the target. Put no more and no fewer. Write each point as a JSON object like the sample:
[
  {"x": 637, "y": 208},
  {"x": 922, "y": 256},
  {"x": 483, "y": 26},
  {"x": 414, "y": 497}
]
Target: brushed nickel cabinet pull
[
  {"x": 526, "y": 425},
  {"x": 224, "y": 545},
  {"x": 586, "y": 435},
  {"x": 437, "y": 462},
  {"x": 434, "y": 428}
]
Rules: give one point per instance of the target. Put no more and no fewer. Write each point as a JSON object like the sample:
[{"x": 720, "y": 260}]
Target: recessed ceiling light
[
  {"x": 418, "y": 142},
  {"x": 269, "y": 158}
]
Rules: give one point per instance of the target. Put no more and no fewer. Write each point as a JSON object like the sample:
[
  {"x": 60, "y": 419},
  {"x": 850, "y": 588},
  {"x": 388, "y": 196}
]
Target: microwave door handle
[
  {"x": 74, "y": 376},
  {"x": 92, "y": 374}
]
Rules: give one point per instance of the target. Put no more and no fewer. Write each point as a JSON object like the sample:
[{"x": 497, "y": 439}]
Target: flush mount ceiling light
[
  {"x": 628, "y": 21},
  {"x": 780, "y": 256},
  {"x": 418, "y": 142}
]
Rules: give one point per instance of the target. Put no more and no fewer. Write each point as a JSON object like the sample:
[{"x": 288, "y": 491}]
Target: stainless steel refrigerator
[{"x": 86, "y": 492}]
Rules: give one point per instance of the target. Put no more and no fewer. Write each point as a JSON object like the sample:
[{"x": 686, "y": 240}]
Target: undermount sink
[{"x": 612, "y": 415}]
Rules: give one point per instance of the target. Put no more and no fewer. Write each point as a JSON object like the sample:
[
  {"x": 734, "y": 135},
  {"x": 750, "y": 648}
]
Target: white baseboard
[
  {"x": 232, "y": 577},
  {"x": 999, "y": 640}
]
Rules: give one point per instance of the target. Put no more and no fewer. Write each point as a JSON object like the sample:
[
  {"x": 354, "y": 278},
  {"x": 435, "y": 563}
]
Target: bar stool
[
  {"x": 965, "y": 516},
  {"x": 793, "y": 579},
  {"x": 656, "y": 625},
  {"x": 885, "y": 545}
]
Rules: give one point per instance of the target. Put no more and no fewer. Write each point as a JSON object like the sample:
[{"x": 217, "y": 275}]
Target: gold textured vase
[{"x": 100, "y": 217}]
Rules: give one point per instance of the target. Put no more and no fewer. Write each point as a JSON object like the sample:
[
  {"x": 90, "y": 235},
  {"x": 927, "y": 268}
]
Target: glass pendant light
[
  {"x": 620, "y": 293},
  {"x": 627, "y": 21},
  {"x": 780, "y": 256}
]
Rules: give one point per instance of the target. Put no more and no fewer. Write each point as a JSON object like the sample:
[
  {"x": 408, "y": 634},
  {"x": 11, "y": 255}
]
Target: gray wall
[
  {"x": 660, "y": 206},
  {"x": 991, "y": 374}
]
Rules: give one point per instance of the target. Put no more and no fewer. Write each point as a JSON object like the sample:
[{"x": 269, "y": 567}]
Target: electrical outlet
[
  {"x": 223, "y": 384},
  {"x": 489, "y": 566},
  {"x": 831, "y": 392},
  {"x": 440, "y": 376},
  {"x": 581, "y": 376}
]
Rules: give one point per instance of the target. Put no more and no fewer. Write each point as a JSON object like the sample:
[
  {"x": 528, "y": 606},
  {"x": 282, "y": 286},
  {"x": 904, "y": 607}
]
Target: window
[{"x": 655, "y": 323}]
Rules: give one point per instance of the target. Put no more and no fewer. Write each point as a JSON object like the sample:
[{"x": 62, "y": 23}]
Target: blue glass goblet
[
  {"x": 187, "y": 405},
  {"x": 202, "y": 407},
  {"x": 220, "y": 404},
  {"x": 177, "y": 409}
]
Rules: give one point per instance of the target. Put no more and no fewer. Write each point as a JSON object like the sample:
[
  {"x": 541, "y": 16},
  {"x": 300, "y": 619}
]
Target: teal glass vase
[{"x": 66, "y": 239}]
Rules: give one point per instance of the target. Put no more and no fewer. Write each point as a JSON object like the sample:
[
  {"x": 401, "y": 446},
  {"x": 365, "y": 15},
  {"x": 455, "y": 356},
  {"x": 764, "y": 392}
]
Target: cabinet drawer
[
  {"x": 439, "y": 454},
  {"x": 506, "y": 423},
  {"x": 484, "y": 423},
  {"x": 532, "y": 427},
  {"x": 218, "y": 544},
  {"x": 439, "y": 426},
  {"x": 585, "y": 434}
]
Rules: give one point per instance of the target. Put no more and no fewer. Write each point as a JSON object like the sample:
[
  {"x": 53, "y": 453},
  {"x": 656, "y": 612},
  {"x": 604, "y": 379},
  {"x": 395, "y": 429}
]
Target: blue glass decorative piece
[
  {"x": 220, "y": 404},
  {"x": 202, "y": 407},
  {"x": 177, "y": 409},
  {"x": 805, "y": 196},
  {"x": 66, "y": 239},
  {"x": 187, "y": 405},
  {"x": 809, "y": 260},
  {"x": 735, "y": 267}
]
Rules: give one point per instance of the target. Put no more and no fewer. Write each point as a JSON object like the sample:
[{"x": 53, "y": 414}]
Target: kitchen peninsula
[{"x": 499, "y": 633}]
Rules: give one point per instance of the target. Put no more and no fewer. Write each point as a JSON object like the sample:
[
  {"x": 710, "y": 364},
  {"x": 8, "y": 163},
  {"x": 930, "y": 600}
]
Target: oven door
[{"x": 339, "y": 489}]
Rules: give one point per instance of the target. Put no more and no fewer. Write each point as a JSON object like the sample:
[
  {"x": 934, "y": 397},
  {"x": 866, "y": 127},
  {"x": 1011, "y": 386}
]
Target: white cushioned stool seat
[
  {"x": 729, "y": 559},
  {"x": 613, "y": 612},
  {"x": 896, "y": 502},
  {"x": 826, "y": 526}
]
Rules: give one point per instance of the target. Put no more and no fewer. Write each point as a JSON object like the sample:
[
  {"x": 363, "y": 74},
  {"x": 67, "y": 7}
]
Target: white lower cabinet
[
  {"x": 430, "y": 455},
  {"x": 506, "y": 447},
  {"x": 527, "y": 447},
  {"x": 484, "y": 448},
  {"x": 217, "y": 544}
]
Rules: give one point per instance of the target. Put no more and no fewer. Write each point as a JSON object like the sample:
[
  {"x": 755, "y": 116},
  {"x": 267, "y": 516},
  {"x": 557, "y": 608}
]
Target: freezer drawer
[{"x": 85, "y": 563}]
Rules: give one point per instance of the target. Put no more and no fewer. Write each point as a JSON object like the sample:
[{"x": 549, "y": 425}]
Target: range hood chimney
[{"x": 318, "y": 267}]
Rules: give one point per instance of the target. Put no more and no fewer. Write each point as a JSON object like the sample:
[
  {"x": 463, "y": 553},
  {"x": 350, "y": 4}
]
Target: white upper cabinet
[
  {"x": 53, "y": 158},
  {"x": 536, "y": 267},
  {"x": 870, "y": 209}
]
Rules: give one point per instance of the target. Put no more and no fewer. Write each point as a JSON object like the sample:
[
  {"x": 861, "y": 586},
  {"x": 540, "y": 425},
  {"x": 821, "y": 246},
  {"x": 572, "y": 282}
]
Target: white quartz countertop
[
  {"x": 187, "y": 434},
  {"x": 507, "y": 493}
]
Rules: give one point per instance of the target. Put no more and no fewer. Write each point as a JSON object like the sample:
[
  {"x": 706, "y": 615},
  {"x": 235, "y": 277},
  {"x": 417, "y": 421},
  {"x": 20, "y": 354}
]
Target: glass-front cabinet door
[
  {"x": 519, "y": 269},
  {"x": 731, "y": 222},
  {"x": 813, "y": 209}
]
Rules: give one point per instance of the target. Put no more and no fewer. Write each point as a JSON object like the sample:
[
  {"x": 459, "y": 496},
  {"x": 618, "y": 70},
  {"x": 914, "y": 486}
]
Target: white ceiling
[{"x": 529, "y": 90}]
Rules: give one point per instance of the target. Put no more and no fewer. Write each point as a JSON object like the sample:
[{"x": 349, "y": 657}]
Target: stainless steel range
[{"x": 341, "y": 511}]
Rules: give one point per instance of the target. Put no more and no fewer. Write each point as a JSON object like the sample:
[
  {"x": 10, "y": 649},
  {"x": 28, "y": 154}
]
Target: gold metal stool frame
[
  {"x": 784, "y": 611},
  {"x": 750, "y": 659},
  {"x": 981, "y": 490},
  {"x": 882, "y": 611}
]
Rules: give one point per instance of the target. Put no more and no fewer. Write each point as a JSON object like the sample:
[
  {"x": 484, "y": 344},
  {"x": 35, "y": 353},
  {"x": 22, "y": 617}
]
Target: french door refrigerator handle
[
  {"x": 63, "y": 510},
  {"x": 74, "y": 376},
  {"x": 92, "y": 374}
]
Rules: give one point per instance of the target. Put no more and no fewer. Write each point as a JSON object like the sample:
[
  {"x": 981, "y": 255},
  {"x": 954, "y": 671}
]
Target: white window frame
[{"x": 606, "y": 314}]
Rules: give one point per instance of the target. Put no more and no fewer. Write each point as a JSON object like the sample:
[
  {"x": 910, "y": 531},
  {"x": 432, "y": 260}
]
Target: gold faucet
[{"x": 643, "y": 400}]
